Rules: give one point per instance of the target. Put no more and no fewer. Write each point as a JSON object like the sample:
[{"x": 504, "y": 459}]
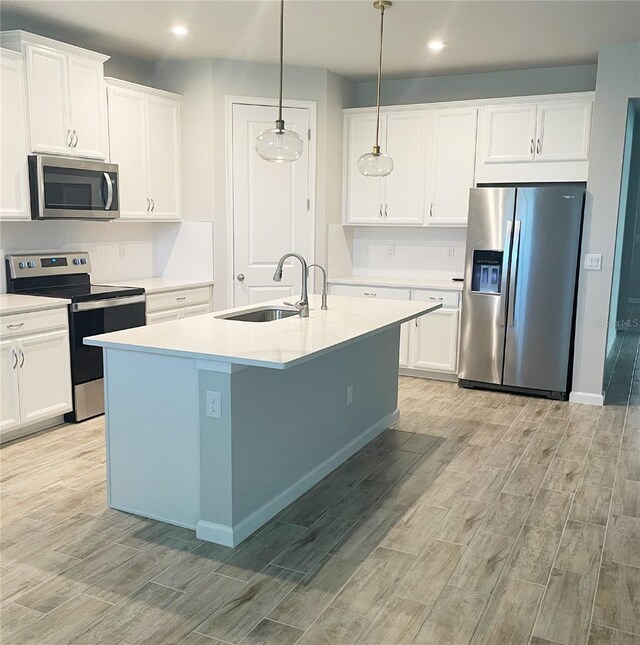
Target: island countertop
[{"x": 277, "y": 344}]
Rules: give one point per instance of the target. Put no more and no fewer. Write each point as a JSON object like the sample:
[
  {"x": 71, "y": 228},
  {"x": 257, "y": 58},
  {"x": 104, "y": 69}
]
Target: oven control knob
[
  {"x": 22, "y": 264},
  {"x": 83, "y": 260},
  {"x": 31, "y": 264},
  {"x": 76, "y": 260}
]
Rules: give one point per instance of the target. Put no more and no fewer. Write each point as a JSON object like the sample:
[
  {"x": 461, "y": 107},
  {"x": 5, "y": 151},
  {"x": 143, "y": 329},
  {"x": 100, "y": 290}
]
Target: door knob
[{"x": 240, "y": 277}]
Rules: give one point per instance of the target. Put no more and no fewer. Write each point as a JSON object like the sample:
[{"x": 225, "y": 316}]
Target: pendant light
[
  {"x": 376, "y": 163},
  {"x": 279, "y": 145}
]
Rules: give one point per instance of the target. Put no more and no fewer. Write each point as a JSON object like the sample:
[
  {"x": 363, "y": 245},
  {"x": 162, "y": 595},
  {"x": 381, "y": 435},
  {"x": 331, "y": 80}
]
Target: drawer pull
[
  {"x": 180, "y": 298},
  {"x": 15, "y": 325},
  {"x": 434, "y": 298},
  {"x": 370, "y": 294}
]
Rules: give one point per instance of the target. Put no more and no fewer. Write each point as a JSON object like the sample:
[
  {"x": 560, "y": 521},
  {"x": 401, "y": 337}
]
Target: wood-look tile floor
[{"x": 479, "y": 518}]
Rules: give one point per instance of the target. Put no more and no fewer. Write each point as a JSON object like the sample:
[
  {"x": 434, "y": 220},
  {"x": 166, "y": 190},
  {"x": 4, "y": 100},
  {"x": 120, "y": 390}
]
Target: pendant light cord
[
  {"x": 281, "y": 59},
  {"x": 377, "y": 148}
]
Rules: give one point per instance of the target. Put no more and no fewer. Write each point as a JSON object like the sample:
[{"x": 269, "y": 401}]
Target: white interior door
[{"x": 270, "y": 213}]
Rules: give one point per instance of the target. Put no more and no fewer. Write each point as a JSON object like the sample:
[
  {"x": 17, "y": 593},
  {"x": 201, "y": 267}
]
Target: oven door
[
  {"x": 89, "y": 319},
  {"x": 63, "y": 188}
]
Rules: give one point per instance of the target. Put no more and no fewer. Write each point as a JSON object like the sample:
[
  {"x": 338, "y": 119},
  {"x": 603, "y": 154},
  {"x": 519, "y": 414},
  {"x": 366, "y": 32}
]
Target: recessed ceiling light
[
  {"x": 179, "y": 30},
  {"x": 436, "y": 45}
]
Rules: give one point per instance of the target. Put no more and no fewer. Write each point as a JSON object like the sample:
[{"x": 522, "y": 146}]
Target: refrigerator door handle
[
  {"x": 505, "y": 264},
  {"x": 513, "y": 278}
]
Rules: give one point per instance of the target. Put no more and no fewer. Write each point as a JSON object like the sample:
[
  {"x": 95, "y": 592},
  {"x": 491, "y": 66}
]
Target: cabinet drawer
[
  {"x": 198, "y": 310},
  {"x": 21, "y": 324},
  {"x": 353, "y": 291},
  {"x": 449, "y": 299},
  {"x": 175, "y": 299}
]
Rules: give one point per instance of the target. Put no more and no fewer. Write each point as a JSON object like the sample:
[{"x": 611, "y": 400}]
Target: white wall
[
  {"x": 118, "y": 250},
  {"x": 618, "y": 80},
  {"x": 417, "y": 253},
  {"x": 460, "y": 87}
]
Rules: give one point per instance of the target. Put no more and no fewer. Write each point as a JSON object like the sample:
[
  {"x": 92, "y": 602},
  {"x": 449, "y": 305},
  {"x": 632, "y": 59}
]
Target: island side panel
[
  {"x": 153, "y": 436},
  {"x": 292, "y": 427}
]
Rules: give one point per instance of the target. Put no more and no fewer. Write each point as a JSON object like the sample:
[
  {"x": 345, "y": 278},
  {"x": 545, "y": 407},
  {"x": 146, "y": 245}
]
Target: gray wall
[
  {"x": 549, "y": 80},
  {"x": 204, "y": 85},
  {"x": 618, "y": 80}
]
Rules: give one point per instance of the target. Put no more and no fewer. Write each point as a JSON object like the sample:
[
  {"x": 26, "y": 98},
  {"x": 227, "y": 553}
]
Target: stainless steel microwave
[{"x": 71, "y": 188}]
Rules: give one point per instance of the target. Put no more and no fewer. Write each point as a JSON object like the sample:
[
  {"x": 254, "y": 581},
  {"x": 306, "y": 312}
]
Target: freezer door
[
  {"x": 489, "y": 235},
  {"x": 542, "y": 284}
]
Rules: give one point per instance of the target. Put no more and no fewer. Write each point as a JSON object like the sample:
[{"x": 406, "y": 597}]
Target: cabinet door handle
[
  {"x": 416, "y": 321},
  {"x": 15, "y": 325},
  {"x": 430, "y": 215},
  {"x": 153, "y": 204},
  {"x": 148, "y": 204},
  {"x": 532, "y": 147},
  {"x": 74, "y": 144},
  {"x": 380, "y": 211},
  {"x": 69, "y": 138},
  {"x": 538, "y": 147},
  {"x": 15, "y": 359},
  {"x": 386, "y": 214},
  {"x": 371, "y": 294},
  {"x": 21, "y": 358}
]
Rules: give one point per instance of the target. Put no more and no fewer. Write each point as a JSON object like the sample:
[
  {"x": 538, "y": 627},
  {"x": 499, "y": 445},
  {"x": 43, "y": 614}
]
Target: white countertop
[
  {"x": 277, "y": 344},
  {"x": 404, "y": 283},
  {"x": 158, "y": 285},
  {"x": 13, "y": 303}
]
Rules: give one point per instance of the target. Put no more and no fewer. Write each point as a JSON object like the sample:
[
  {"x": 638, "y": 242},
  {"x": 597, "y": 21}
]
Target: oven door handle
[
  {"x": 106, "y": 304},
  {"x": 107, "y": 206}
]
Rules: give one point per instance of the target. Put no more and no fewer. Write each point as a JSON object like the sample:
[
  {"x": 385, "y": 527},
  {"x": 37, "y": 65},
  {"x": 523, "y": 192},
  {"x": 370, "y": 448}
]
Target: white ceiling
[{"x": 341, "y": 35}]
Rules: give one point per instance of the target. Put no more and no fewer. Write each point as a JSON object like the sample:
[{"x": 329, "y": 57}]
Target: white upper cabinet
[
  {"x": 451, "y": 165},
  {"x": 545, "y": 141},
  {"x": 397, "y": 199},
  {"x": 66, "y": 96},
  {"x": 510, "y": 133},
  {"x": 87, "y": 107},
  {"x": 14, "y": 145},
  {"x": 363, "y": 196},
  {"x": 144, "y": 140},
  {"x": 563, "y": 131},
  {"x": 404, "y": 187}
]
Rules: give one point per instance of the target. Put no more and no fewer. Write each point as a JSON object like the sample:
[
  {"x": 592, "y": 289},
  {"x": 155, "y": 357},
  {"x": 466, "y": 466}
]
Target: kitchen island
[{"x": 217, "y": 424}]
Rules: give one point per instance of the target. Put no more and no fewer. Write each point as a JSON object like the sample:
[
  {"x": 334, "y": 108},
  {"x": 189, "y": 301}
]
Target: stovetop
[{"x": 85, "y": 292}]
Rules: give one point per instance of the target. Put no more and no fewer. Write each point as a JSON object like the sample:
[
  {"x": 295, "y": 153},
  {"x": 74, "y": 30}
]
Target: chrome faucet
[
  {"x": 303, "y": 304},
  {"x": 324, "y": 285}
]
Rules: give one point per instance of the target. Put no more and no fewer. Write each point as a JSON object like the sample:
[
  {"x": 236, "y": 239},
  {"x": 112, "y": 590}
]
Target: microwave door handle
[
  {"x": 107, "y": 205},
  {"x": 513, "y": 278}
]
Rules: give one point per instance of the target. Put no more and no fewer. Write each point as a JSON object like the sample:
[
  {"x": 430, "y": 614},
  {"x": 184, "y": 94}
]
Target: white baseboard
[
  {"x": 233, "y": 535},
  {"x": 438, "y": 376},
  {"x": 23, "y": 431},
  {"x": 586, "y": 398}
]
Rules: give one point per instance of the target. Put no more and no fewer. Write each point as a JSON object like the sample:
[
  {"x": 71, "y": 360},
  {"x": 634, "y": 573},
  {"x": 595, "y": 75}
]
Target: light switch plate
[{"x": 593, "y": 262}]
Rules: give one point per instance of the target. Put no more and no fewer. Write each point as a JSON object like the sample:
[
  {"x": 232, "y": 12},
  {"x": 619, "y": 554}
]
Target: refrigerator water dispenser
[{"x": 487, "y": 272}]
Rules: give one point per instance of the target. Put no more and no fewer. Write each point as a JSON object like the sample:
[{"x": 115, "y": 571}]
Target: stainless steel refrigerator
[{"x": 520, "y": 280}]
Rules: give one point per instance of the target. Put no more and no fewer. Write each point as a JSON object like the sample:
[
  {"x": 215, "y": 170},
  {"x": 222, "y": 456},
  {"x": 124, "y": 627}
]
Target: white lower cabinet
[
  {"x": 35, "y": 369},
  {"x": 181, "y": 303},
  {"x": 428, "y": 344}
]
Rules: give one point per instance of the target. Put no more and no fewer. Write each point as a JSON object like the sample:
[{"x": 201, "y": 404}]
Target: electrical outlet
[
  {"x": 391, "y": 251},
  {"x": 593, "y": 261},
  {"x": 213, "y": 404},
  {"x": 451, "y": 251},
  {"x": 349, "y": 394}
]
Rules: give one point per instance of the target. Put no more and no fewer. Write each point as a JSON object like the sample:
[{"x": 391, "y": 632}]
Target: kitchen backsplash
[
  {"x": 119, "y": 250},
  {"x": 408, "y": 252}
]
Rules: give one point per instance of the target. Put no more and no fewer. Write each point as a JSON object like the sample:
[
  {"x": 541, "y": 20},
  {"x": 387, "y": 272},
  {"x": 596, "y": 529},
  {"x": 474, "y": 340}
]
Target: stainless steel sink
[{"x": 261, "y": 314}]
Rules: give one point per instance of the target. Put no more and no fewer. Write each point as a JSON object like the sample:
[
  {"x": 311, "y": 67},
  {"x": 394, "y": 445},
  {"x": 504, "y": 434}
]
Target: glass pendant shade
[
  {"x": 279, "y": 145},
  {"x": 372, "y": 164}
]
